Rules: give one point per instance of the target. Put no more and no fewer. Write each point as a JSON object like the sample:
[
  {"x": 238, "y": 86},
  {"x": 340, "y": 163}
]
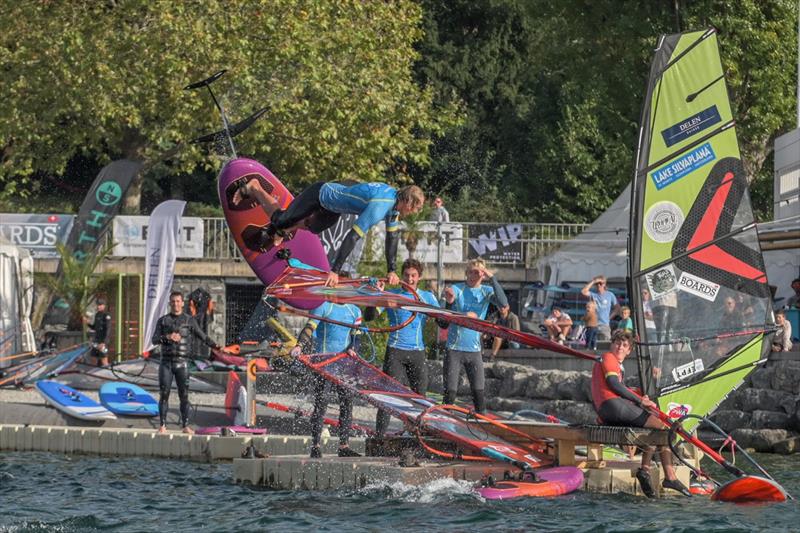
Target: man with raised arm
[
  {"x": 607, "y": 305},
  {"x": 405, "y": 350},
  {"x": 463, "y": 344}
]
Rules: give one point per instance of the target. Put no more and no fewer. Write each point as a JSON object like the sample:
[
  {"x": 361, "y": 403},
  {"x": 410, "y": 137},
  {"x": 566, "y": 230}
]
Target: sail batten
[{"x": 697, "y": 276}]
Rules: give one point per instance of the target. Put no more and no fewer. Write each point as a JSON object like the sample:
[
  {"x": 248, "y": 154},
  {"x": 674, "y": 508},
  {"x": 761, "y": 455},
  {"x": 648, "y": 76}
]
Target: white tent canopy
[
  {"x": 599, "y": 250},
  {"x": 602, "y": 249},
  {"x": 16, "y": 301}
]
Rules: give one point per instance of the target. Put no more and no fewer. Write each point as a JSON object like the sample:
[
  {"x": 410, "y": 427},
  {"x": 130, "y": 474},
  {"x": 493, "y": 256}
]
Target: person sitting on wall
[
  {"x": 558, "y": 325},
  {"x": 508, "y": 320}
]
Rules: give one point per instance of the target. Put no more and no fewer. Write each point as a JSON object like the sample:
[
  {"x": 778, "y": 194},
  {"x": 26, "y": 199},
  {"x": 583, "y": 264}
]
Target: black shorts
[{"x": 622, "y": 412}]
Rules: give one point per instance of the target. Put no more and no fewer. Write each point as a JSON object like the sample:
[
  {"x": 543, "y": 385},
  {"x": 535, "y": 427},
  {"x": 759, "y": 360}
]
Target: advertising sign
[
  {"x": 36, "y": 233},
  {"x": 130, "y": 234},
  {"x": 426, "y": 243},
  {"x": 496, "y": 243}
]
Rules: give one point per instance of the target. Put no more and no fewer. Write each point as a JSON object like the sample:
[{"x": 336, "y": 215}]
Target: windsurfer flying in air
[{"x": 319, "y": 207}]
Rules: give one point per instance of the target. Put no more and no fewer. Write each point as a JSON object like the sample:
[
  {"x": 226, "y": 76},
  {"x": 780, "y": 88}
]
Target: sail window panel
[{"x": 693, "y": 325}]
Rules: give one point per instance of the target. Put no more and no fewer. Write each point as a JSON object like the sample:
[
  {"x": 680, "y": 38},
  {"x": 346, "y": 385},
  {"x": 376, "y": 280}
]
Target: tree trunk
[
  {"x": 132, "y": 147},
  {"x": 411, "y": 242},
  {"x": 132, "y": 203}
]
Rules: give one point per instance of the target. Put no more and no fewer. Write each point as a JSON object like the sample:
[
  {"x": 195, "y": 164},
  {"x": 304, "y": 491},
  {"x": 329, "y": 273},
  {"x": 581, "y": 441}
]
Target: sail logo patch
[
  {"x": 691, "y": 125},
  {"x": 677, "y": 410},
  {"x": 662, "y": 281},
  {"x": 698, "y": 286},
  {"x": 663, "y": 221},
  {"x": 679, "y": 373},
  {"x": 684, "y": 165}
]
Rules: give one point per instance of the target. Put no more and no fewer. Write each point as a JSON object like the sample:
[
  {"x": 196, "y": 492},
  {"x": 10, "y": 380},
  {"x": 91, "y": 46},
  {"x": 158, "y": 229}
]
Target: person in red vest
[{"x": 618, "y": 405}]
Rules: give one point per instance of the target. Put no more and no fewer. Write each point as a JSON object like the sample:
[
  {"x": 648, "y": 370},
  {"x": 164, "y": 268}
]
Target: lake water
[{"x": 48, "y": 492}]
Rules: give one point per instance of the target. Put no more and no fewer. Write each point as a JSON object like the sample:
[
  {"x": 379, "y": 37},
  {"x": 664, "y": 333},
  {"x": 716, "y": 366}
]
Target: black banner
[
  {"x": 101, "y": 204},
  {"x": 497, "y": 243}
]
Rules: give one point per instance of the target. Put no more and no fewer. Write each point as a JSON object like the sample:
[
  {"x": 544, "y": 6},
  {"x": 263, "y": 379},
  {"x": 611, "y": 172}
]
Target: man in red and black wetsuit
[{"x": 617, "y": 405}]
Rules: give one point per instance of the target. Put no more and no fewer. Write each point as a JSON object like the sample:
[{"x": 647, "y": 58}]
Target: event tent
[{"x": 16, "y": 301}]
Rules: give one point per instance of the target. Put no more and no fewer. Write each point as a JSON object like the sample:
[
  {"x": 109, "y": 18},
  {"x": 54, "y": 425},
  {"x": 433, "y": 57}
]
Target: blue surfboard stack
[{"x": 127, "y": 399}]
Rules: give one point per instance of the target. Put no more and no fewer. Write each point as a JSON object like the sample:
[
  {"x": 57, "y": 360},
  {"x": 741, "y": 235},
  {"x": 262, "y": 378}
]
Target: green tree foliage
[
  {"x": 553, "y": 93},
  {"x": 104, "y": 80},
  {"x": 77, "y": 285}
]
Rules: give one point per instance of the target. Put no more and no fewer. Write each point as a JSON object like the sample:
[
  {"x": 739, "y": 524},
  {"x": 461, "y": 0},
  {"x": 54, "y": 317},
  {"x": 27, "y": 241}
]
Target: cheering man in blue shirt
[
  {"x": 463, "y": 344},
  {"x": 319, "y": 207},
  {"x": 331, "y": 338},
  {"x": 405, "y": 351}
]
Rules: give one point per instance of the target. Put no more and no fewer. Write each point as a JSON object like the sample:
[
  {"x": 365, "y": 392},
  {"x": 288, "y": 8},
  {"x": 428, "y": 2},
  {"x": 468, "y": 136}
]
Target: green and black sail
[{"x": 698, "y": 279}]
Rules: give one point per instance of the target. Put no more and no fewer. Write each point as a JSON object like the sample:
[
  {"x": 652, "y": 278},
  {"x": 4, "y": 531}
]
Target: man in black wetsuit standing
[
  {"x": 101, "y": 333},
  {"x": 173, "y": 332}
]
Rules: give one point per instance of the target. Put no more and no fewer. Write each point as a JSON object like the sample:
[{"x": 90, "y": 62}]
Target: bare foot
[
  {"x": 162, "y": 430},
  {"x": 188, "y": 430},
  {"x": 237, "y": 195}
]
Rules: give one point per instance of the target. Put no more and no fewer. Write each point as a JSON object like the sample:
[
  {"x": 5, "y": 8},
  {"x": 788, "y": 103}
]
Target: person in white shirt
[
  {"x": 782, "y": 342},
  {"x": 439, "y": 213},
  {"x": 558, "y": 325}
]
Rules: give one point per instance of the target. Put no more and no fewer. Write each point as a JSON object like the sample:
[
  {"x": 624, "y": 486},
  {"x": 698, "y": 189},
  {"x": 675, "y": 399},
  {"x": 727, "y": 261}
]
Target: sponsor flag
[
  {"x": 159, "y": 270},
  {"x": 100, "y": 205}
]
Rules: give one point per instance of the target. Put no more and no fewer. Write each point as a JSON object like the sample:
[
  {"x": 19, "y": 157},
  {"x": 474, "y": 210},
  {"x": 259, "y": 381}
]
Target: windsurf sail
[
  {"x": 308, "y": 283},
  {"x": 697, "y": 273},
  {"x": 44, "y": 366},
  {"x": 369, "y": 382}
]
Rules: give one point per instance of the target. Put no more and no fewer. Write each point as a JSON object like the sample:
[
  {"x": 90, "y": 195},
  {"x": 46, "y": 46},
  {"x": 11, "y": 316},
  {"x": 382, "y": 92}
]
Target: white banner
[
  {"x": 427, "y": 243},
  {"x": 130, "y": 234},
  {"x": 159, "y": 268}
]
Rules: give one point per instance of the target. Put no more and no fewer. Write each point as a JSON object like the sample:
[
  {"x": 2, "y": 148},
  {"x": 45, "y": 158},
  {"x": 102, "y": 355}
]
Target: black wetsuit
[
  {"x": 321, "y": 386},
  {"x": 306, "y": 206},
  {"x": 101, "y": 328},
  {"x": 175, "y": 360},
  {"x": 398, "y": 363}
]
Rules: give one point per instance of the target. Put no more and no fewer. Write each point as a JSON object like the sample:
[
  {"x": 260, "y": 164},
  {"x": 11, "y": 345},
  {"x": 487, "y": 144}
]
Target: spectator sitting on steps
[
  {"x": 508, "y": 320},
  {"x": 558, "y": 325}
]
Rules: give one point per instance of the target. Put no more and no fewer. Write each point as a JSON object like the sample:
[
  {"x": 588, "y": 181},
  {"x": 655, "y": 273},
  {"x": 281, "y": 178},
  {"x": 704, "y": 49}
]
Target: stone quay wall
[{"x": 763, "y": 414}]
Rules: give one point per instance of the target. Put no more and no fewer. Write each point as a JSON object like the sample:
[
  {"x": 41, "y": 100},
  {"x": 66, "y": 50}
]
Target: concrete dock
[
  {"x": 299, "y": 472},
  {"x": 286, "y": 465},
  {"x": 134, "y": 442}
]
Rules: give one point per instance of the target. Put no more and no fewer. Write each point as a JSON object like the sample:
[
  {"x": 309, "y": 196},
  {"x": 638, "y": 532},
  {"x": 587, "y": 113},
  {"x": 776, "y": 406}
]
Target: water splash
[{"x": 438, "y": 490}]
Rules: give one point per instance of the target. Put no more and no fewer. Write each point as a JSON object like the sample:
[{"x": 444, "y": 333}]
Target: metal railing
[{"x": 533, "y": 239}]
